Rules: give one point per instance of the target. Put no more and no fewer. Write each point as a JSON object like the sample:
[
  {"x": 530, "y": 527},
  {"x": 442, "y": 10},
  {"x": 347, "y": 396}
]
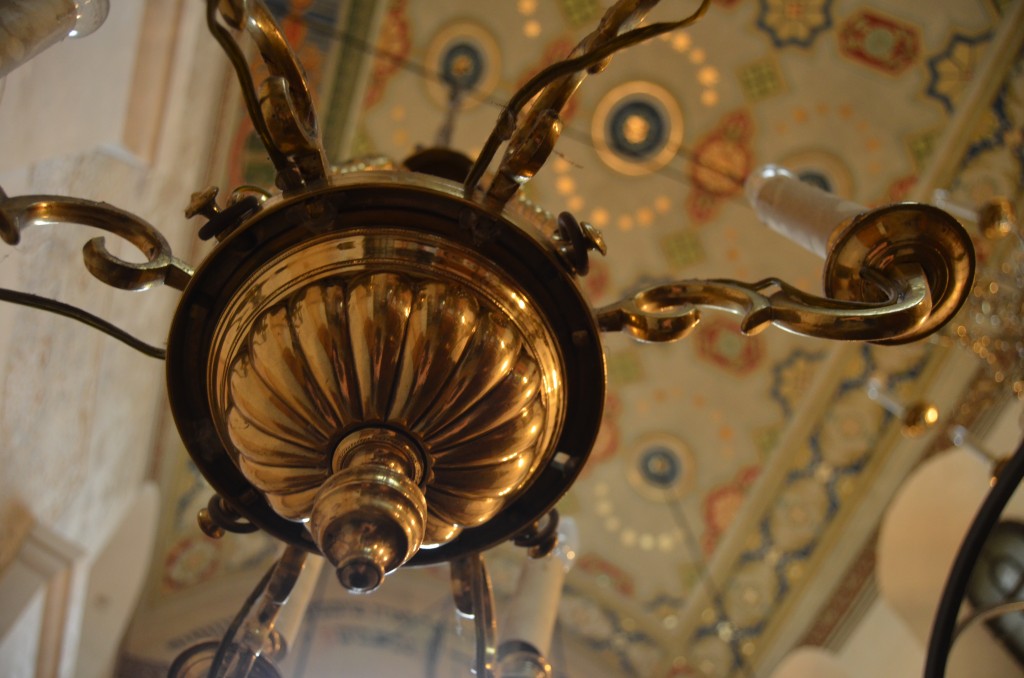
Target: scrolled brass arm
[
  {"x": 892, "y": 275},
  {"x": 281, "y": 109},
  {"x": 532, "y": 139},
  {"x": 161, "y": 267},
  {"x": 669, "y": 312}
]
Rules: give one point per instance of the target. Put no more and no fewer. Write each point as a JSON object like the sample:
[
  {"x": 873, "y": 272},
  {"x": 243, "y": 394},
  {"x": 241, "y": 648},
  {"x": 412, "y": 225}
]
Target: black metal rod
[
  {"x": 82, "y": 316},
  {"x": 941, "y": 641}
]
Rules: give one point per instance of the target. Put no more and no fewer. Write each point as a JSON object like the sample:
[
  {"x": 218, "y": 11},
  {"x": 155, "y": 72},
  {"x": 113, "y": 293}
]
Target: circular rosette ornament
[{"x": 389, "y": 409}]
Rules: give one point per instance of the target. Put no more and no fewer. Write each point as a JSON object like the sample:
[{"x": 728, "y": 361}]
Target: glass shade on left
[{"x": 27, "y": 27}]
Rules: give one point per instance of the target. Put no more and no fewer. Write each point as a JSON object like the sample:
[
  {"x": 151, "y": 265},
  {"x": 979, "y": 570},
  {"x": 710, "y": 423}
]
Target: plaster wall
[{"x": 78, "y": 409}]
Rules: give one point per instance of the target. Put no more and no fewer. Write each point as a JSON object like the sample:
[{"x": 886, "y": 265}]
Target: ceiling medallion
[
  {"x": 661, "y": 467},
  {"x": 397, "y": 366},
  {"x": 822, "y": 169},
  {"x": 637, "y": 128},
  {"x": 467, "y": 59}
]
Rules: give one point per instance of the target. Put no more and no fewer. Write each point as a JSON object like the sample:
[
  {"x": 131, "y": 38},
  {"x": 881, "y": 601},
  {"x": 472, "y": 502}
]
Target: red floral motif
[
  {"x": 595, "y": 566},
  {"x": 899, "y": 190},
  {"x": 722, "y": 505},
  {"x": 191, "y": 561},
  {"x": 721, "y": 343},
  {"x": 879, "y": 42},
  {"x": 293, "y": 25},
  {"x": 393, "y": 46},
  {"x": 721, "y": 161}
]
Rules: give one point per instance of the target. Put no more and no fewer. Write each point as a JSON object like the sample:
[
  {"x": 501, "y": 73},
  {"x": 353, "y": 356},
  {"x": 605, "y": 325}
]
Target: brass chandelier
[{"x": 397, "y": 367}]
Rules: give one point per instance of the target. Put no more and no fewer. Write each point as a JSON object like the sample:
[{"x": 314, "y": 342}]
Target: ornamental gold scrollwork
[
  {"x": 448, "y": 370},
  {"x": 669, "y": 312},
  {"x": 893, "y": 274},
  {"x": 161, "y": 267},
  {"x": 532, "y": 138},
  {"x": 281, "y": 108}
]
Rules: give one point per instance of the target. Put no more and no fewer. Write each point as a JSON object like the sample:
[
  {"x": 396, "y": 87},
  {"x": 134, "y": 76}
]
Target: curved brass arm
[
  {"x": 669, "y": 312},
  {"x": 893, "y": 274},
  {"x": 244, "y": 644},
  {"x": 161, "y": 267},
  {"x": 532, "y": 139},
  {"x": 282, "y": 109}
]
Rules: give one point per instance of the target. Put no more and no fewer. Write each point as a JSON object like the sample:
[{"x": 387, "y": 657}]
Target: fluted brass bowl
[{"x": 381, "y": 357}]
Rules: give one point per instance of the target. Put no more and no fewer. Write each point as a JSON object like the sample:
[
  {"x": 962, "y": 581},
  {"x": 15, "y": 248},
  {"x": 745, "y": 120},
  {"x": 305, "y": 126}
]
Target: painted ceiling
[{"x": 736, "y": 480}]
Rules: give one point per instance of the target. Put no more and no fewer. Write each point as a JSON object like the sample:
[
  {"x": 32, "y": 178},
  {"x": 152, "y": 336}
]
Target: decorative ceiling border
[{"x": 813, "y": 509}]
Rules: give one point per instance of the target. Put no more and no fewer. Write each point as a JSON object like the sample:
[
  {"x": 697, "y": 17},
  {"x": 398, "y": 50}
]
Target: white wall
[{"x": 122, "y": 116}]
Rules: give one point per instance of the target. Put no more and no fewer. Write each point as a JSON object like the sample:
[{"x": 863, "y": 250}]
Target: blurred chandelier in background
[{"x": 394, "y": 365}]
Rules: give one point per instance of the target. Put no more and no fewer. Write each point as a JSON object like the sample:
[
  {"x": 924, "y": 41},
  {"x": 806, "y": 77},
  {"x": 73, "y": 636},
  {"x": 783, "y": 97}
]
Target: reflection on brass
[
  {"x": 385, "y": 386},
  {"x": 203, "y": 203},
  {"x": 251, "y": 640},
  {"x": 276, "y": 647},
  {"x": 537, "y": 133},
  {"x": 540, "y": 537},
  {"x": 575, "y": 240},
  {"x": 219, "y": 517},
  {"x": 997, "y": 469},
  {"x": 20, "y": 212},
  {"x": 358, "y": 366},
  {"x": 369, "y": 517}
]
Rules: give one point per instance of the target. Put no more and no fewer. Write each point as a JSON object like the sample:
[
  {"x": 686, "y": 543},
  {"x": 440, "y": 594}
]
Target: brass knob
[{"x": 369, "y": 517}]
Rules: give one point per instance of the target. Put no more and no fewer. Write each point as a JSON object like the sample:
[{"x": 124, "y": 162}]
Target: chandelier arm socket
[
  {"x": 250, "y": 630},
  {"x": 20, "y": 212},
  {"x": 474, "y": 599},
  {"x": 532, "y": 140},
  {"x": 281, "y": 109}
]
